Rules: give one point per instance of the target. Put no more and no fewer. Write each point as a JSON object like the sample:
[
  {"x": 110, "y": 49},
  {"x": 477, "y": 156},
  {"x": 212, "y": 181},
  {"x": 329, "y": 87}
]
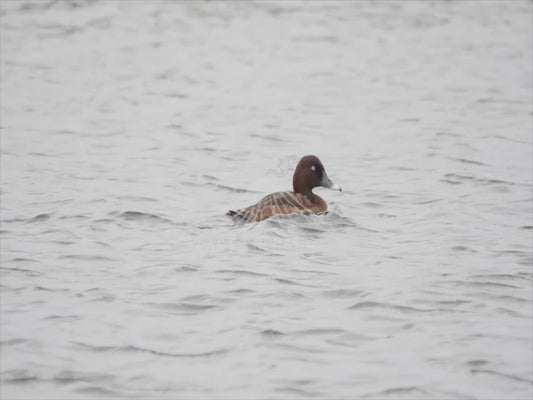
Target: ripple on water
[
  {"x": 98, "y": 391},
  {"x": 188, "y": 268},
  {"x": 70, "y": 376},
  {"x": 136, "y": 349},
  {"x": 142, "y": 216},
  {"x": 86, "y": 257},
  {"x": 230, "y": 188},
  {"x": 19, "y": 376},
  {"x": 137, "y": 198},
  {"x": 378, "y": 305},
  {"x": 39, "y": 218},
  {"x": 27, "y": 272},
  {"x": 182, "y": 308},
  {"x": 408, "y": 392},
  {"x": 344, "y": 293},
  {"x": 13, "y": 342},
  {"x": 503, "y": 277},
  {"x": 484, "y": 284},
  {"x": 23, "y": 260},
  {"x": 319, "y": 331},
  {"x": 241, "y": 272},
  {"x": 77, "y": 217},
  {"x": 272, "y": 333},
  {"x": 456, "y": 178},
  {"x": 501, "y": 374}
]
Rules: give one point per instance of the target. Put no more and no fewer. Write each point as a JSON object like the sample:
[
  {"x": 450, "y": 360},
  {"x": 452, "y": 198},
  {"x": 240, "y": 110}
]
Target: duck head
[{"x": 310, "y": 173}]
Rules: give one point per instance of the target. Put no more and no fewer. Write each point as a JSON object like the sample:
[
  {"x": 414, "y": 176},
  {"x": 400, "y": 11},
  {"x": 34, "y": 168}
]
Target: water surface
[{"x": 128, "y": 129}]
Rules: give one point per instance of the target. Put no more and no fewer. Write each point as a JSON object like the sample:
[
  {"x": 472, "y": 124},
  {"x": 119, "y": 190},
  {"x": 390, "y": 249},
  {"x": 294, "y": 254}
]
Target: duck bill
[{"x": 327, "y": 183}]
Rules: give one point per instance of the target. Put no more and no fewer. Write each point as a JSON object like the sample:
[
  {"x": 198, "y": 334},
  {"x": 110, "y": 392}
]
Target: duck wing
[{"x": 274, "y": 204}]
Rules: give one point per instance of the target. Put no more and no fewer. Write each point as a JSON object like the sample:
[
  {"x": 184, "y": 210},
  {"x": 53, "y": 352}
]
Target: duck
[{"x": 309, "y": 174}]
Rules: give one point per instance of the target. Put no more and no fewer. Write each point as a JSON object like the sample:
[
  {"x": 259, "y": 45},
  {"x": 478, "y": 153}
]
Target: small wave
[
  {"x": 371, "y": 204},
  {"x": 196, "y": 297},
  {"x": 310, "y": 229},
  {"x": 299, "y": 392},
  {"x": 10, "y": 220},
  {"x": 103, "y": 220},
  {"x": 141, "y": 216},
  {"x": 456, "y": 178},
  {"x": 314, "y": 225},
  {"x": 467, "y": 161},
  {"x": 63, "y": 242},
  {"x": 39, "y": 218},
  {"x": 240, "y": 272},
  {"x": 137, "y": 198},
  {"x": 270, "y": 138},
  {"x": 281, "y": 220},
  {"x": 477, "y": 363},
  {"x": 133, "y": 349},
  {"x": 429, "y": 201},
  {"x": 528, "y": 261},
  {"x": 460, "y": 177},
  {"x": 272, "y": 332},
  {"x": 63, "y": 317},
  {"x": 46, "y": 289},
  {"x": 453, "y": 302},
  {"x": 12, "y": 342},
  {"x": 527, "y": 275},
  {"x": 450, "y": 182},
  {"x": 256, "y": 249},
  {"x": 85, "y": 257},
  {"x": 384, "y": 215},
  {"x": 191, "y": 307},
  {"x": 229, "y": 188},
  {"x": 500, "y": 276},
  {"x": 344, "y": 293},
  {"x": 289, "y": 282},
  {"x": 300, "y": 349},
  {"x": 512, "y": 298},
  {"x": 404, "y": 390},
  {"x": 210, "y": 177},
  {"x": 74, "y": 217},
  {"x": 187, "y": 268},
  {"x": 18, "y": 376},
  {"x": 336, "y": 220},
  {"x": 103, "y": 299},
  {"x": 28, "y": 272},
  {"x": 73, "y": 376},
  {"x": 512, "y": 313},
  {"x": 319, "y": 331},
  {"x": 501, "y": 374},
  {"x": 485, "y": 284},
  {"x": 463, "y": 248},
  {"x": 98, "y": 391},
  {"x": 374, "y": 304},
  {"x": 23, "y": 260},
  {"x": 241, "y": 291},
  {"x": 508, "y": 139}
]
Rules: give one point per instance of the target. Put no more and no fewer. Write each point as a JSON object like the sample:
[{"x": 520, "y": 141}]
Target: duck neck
[{"x": 307, "y": 193}]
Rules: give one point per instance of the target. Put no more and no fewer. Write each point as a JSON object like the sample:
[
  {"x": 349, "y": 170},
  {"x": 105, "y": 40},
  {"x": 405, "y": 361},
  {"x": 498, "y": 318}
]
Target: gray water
[{"x": 129, "y": 128}]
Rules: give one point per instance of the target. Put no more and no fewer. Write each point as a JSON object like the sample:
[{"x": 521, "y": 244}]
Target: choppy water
[{"x": 130, "y": 128}]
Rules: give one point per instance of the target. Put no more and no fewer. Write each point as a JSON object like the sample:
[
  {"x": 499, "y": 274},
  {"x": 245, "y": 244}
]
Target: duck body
[
  {"x": 281, "y": 203},
  {"x": 309, "y": 174}
]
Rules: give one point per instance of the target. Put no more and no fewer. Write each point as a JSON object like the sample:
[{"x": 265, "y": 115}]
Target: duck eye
[{"x": 313, "y": 168}]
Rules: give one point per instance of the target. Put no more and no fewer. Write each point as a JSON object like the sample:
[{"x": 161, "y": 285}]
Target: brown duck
[{"x": 309, "y": 173}]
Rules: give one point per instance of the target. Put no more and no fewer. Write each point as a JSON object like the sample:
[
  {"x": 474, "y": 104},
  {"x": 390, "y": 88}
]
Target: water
[{"x": 130, "y": 128}]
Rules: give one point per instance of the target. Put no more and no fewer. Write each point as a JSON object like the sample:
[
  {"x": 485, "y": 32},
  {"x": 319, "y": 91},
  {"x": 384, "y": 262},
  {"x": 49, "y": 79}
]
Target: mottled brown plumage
[{"x": 309, "y": 173}]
